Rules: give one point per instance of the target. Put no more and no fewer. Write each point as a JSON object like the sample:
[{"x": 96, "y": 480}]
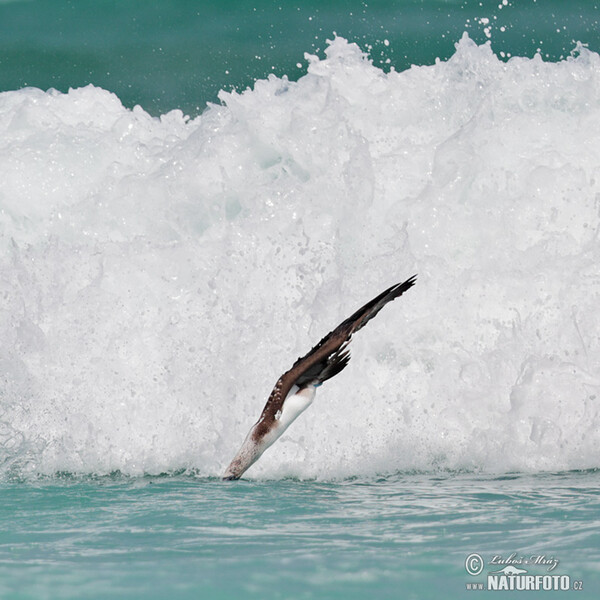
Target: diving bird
[{"x": 295, "y": 389}]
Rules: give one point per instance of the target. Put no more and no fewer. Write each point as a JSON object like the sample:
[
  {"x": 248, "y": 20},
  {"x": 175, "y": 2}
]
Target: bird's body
[{"x": 295, "y": 390}]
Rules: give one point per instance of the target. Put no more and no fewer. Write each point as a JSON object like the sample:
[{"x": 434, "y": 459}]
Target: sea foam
[{"x": 158, "y": 274}]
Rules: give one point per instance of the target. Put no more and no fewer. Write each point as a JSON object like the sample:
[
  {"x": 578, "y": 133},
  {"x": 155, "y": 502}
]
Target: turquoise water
[
  {"x": 158, "y": 272},
  {"x": 179, "y": 53},
  {"x": 406, "y": 535}
]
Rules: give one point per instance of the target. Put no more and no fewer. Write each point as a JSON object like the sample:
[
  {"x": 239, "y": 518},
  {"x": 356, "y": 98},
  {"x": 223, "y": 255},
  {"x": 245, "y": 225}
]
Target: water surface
[{"x": 189, "y": 537}]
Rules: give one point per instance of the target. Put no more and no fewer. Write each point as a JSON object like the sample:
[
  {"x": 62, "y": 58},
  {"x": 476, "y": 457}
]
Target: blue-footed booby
[{"x": 295, "y": 389}]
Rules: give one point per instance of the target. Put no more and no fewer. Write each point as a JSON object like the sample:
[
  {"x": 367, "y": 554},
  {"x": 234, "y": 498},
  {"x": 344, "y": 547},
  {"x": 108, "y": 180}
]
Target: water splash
[{"x": 157, "y": 275}]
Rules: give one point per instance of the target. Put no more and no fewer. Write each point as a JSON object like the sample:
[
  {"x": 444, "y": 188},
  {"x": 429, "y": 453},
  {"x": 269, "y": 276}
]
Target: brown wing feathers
[{"x": 330, "y": 355}]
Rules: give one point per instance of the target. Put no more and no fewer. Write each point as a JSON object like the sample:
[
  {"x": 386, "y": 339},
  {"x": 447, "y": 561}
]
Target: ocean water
[
  {"x": 406, "y": 535},
  {"x": 191, "y": 196},
  {"x": 166, "y": 54}
]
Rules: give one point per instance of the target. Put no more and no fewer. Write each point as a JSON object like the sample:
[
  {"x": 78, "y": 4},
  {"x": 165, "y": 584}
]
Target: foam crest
[{"x": 157, "y": 275}]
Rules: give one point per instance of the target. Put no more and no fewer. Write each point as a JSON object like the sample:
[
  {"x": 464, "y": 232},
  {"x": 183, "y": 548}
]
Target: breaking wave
[{"x": 158, "y": 274}]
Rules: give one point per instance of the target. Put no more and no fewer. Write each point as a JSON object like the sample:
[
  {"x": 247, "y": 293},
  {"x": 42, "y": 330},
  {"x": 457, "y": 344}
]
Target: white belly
[{"x": 295, "y": 404}]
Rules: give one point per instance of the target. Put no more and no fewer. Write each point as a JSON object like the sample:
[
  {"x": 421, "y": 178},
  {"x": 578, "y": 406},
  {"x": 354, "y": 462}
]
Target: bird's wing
[{"x": 329, "y": 356}]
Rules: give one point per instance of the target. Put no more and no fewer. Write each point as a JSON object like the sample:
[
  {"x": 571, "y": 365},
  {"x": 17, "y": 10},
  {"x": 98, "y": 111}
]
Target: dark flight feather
[{"x": 328, "y": 357}]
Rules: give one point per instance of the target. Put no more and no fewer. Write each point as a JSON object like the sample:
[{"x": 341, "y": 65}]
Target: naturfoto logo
[{"x": 514, "y": 573}]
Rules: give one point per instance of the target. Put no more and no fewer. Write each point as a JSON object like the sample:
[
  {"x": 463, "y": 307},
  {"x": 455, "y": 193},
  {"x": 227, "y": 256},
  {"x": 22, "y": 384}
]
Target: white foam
[{"x": 157, "y": 275}]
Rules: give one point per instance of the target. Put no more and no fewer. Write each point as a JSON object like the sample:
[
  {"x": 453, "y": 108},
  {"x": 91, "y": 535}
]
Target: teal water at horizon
[
  {"x": 179, "y": 53},
  {"x": 403, "y": 536}
]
